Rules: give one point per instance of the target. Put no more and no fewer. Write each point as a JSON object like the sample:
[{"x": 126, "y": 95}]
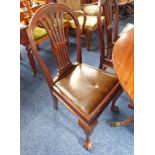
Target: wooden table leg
[
  {"x": 31, "y": 59},
  {"x": 125, "y": 122}
]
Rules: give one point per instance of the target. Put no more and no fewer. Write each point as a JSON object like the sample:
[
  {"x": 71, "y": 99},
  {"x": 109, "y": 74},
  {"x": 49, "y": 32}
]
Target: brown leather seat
[{"x": 86, "y": 86}]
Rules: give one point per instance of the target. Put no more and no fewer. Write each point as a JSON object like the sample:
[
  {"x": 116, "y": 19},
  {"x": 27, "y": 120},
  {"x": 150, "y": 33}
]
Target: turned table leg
[{"x": 88, "y": 129}]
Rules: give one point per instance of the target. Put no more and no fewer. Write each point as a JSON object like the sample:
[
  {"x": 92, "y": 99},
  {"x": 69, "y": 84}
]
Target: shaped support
[{"x": 88, "y": 129}]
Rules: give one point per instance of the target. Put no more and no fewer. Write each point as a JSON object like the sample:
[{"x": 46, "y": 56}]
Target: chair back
[
  {"x": 25, "y": 3},
  {"x": 29, "y": 8},
  {"x": 110, "y": 12},
  {"x": 22, "y": 18},
  {"x": 51, "y": 18},
  {"x": 73, "y": 4}
]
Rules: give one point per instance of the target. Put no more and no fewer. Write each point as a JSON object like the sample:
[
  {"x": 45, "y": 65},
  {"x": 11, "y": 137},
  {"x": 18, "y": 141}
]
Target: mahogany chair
[
  {"x": 29, "y": 10},
  {"x": 87, "y": 16},
  {"x": 84, "y": 90},
  {"x": 24, "y": 41},
  {"x": 26, "y": 12},
  {"x": 40, "y": 34},
  {"x": 111, "y": 12}
]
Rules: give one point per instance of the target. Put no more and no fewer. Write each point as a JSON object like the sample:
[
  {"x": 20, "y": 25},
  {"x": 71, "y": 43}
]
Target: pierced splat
[{"x": 53, "y": 23}]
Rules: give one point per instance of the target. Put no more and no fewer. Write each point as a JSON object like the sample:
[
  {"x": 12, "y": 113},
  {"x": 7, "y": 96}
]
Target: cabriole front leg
[{"x": 88, "y": 129}]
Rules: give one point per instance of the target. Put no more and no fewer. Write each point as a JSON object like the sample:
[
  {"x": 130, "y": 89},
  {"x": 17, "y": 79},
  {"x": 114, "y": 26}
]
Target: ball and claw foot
[
  {"x": 88, "y": 145},
  {"x": 88, "y": 129}
]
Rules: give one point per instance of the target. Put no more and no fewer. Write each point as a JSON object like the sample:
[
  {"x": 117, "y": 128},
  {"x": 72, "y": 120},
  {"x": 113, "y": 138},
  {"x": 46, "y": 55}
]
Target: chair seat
[
  {"x": 91, "y": 22},
  {"x": 86, "y": 86},
  {"x": 39, "y": 33},
  {"x": 21, "y": 10}
]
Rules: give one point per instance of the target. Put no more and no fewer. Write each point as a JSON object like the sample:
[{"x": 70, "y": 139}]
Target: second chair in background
[
  {"x": 28, "y": 9},
  {"x": 87, "y": 16},
  {"x": 111, "y": 12}
]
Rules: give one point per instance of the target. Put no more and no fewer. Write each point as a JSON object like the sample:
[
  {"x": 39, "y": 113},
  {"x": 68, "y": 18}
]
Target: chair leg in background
[
  {"x": 31, "y": 59},
  {"x": 115, "y": 108},
  {"x": 55, "y": 102},
  {"x": 88, "y": 35}
]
